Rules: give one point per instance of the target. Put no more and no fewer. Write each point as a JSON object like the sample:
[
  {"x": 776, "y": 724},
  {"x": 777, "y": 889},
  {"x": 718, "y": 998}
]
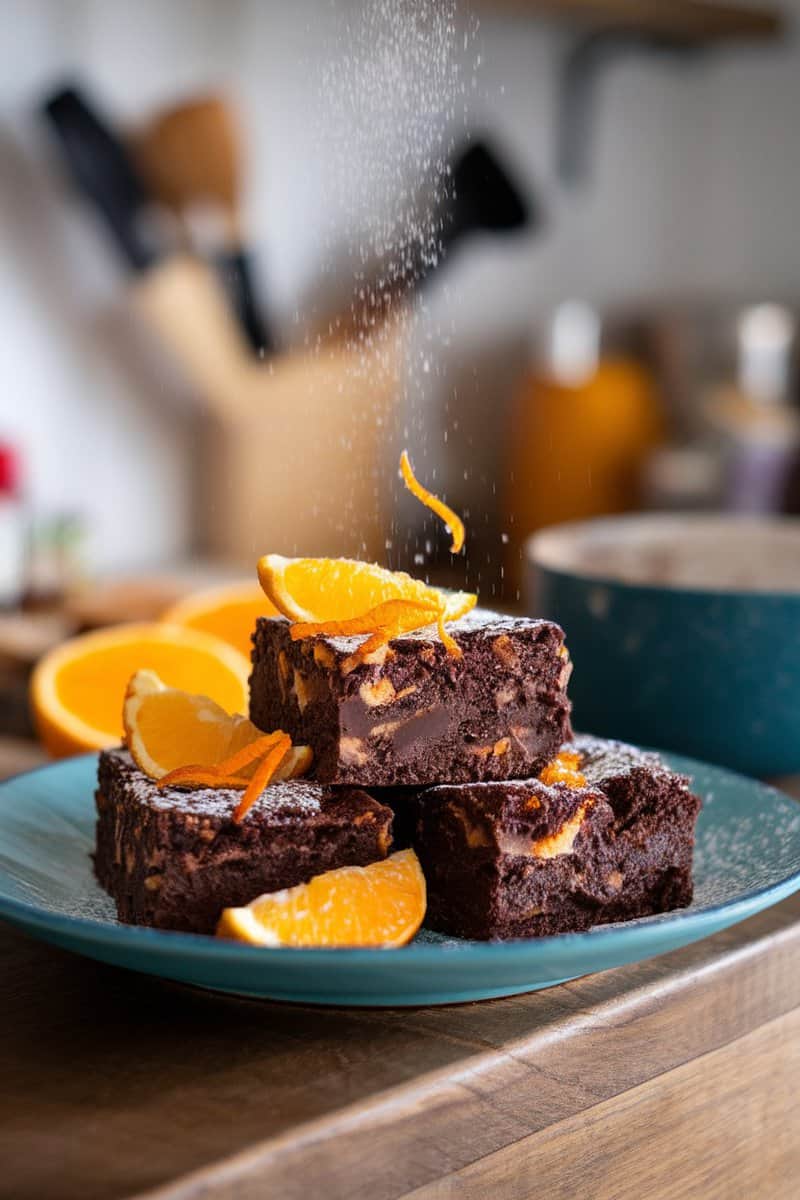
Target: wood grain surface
[
  {"x": 680, "y": 1069},
  {"x": 713, "y": 1127}
]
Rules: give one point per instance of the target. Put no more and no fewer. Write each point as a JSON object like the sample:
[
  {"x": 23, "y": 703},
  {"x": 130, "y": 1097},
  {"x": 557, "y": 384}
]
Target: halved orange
[
  {"x": 339, "y": 589},
  {"x": 228, "y": 612},
  {"x": 379, "y": 905},
  {"x": 166, "y": 728},
  {"x": 77, "y": 688}
]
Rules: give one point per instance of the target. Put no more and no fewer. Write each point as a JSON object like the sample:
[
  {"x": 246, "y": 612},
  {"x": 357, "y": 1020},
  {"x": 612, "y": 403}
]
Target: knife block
[
  {"x": 293, "y": 451},
  {"x": 301, "y": 469}
]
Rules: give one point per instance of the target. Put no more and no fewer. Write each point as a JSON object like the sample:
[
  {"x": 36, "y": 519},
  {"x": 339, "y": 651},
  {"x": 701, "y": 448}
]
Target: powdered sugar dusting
[
  {"x": 298, "y": 798},
  {"x": 748, "y": 854},
  {"x": 479, "y": 620},
  {"x": 604, "y": 759}
]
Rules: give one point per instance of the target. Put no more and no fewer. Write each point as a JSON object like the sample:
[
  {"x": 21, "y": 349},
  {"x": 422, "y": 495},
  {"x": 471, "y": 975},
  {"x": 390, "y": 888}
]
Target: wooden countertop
[{"x": 675, "y": 1077}]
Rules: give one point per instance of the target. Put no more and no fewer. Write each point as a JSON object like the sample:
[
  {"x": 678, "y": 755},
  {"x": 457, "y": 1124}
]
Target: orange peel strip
[
  {"x": 451, "y": 519},
  {"x": 382, "y": 622},
  {"x": 196, "y": 775},
  {"x": 248, "y": 754},
  {"x": 379, "y": 638},
  {"x": 450, "y": 644},
  {"x": 264, "y": 773},
  {"x": 392, "y": 614}
]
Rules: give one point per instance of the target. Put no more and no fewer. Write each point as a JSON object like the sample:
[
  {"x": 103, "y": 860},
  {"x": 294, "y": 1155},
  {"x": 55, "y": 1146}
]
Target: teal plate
[{"x": 747, "y": 858}]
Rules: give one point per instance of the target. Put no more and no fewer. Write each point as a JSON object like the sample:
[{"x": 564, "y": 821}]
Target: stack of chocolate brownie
[
  {"x": 455, "y": 746},
  {"x": 443, "y": 751}
]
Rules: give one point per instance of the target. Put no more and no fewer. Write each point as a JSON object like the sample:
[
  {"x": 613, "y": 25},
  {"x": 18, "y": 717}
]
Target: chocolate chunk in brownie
[
  {"x": 522, "y": 859},
  {"x": 412, "y": 713},
  {"x": 174, "y": 859}
]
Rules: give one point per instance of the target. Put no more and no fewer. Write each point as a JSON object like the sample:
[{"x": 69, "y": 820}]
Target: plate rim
[{"x": 197, "y": 946}]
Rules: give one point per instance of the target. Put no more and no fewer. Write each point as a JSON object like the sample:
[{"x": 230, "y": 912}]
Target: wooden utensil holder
[{"x": 294, "y": 450}]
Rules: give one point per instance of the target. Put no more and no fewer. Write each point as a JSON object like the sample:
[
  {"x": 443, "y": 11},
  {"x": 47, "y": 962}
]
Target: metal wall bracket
[{"x": 588, "y": 58}]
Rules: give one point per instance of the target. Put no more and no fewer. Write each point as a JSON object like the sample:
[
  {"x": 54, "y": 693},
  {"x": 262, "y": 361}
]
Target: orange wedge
[
  {"x": 76, "y": 688},
  {"x": 228, "y": 612},
  {"x": 379, "y": 905},
  {"x": 166, "y": 728},
  {"x": 317, "y": 590}
]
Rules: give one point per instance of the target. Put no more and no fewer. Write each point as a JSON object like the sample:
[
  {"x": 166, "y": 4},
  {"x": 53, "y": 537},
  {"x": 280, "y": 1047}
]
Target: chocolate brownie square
[
  {"x": 174, "y": 859},
  {"x": 523, "y": 859},
  {"x": 412, "y": 713}
]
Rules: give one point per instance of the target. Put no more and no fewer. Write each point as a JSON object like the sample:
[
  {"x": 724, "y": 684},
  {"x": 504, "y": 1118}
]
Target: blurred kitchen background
[{"x": 253, "y": 249}]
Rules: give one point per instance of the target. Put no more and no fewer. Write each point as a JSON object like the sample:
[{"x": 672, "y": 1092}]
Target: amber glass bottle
[{"x": 582, "y": 424}]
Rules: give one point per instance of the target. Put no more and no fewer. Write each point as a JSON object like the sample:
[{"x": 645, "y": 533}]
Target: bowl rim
[{"x": 540, "y": 551}]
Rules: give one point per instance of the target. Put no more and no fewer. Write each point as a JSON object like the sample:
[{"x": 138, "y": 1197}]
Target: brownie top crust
[
  {"x": 479, "y": 621},
  {"x": 614, "y": 772},
  {"x": 281, "y": 803},
  {"x": 519, "y": 817},
  {"x": 602, "y": 760}
]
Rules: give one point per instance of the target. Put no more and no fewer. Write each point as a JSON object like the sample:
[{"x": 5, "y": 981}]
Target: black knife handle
[
  {"x": 103, "y": 172},
  {"x": 236, "y": 274}
]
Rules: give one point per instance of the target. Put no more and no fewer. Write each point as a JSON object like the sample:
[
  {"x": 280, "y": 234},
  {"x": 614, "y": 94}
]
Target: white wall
[{"x": 695, "y": 188}]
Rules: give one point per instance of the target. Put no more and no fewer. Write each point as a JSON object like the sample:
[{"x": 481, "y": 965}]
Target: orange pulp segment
[
  {"x": 394, "y": 616},
  {"x": 165, "y": 728},
  {"x": 338, "y": 589}
]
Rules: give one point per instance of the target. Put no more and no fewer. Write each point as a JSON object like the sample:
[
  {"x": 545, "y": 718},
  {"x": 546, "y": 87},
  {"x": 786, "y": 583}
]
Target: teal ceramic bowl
[{"x": 684, "y": 632}]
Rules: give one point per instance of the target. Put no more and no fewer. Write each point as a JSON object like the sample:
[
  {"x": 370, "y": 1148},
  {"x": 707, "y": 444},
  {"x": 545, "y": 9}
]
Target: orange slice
[
  {"x": 228, "y": 612},
  {"x": 453, "y": 522},
  {"x": 316, "y": 590},
  {"x": 379, "y": 905},
  {"x": 76, "y": 688},
  {"x": 165, "y": 728}
]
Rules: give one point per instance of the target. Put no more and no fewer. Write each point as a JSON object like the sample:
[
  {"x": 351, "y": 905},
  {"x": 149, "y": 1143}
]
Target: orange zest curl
[
  {"x": 397, "y": 615},
  {"x": 197, "y": 776},
  {"x": 343, "y": 598},
  {"x": 271, "y": 752},
  {"x": 248, "y": 754},
  {"x": 264, "y": 774},
  {"x": 383, "y": 622},
  {"x": 450, "y": 644},
  {"x": 223, "y": 774},
  {"x": 564, "y": 769},
  {"x": 451, "y": 519}
]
